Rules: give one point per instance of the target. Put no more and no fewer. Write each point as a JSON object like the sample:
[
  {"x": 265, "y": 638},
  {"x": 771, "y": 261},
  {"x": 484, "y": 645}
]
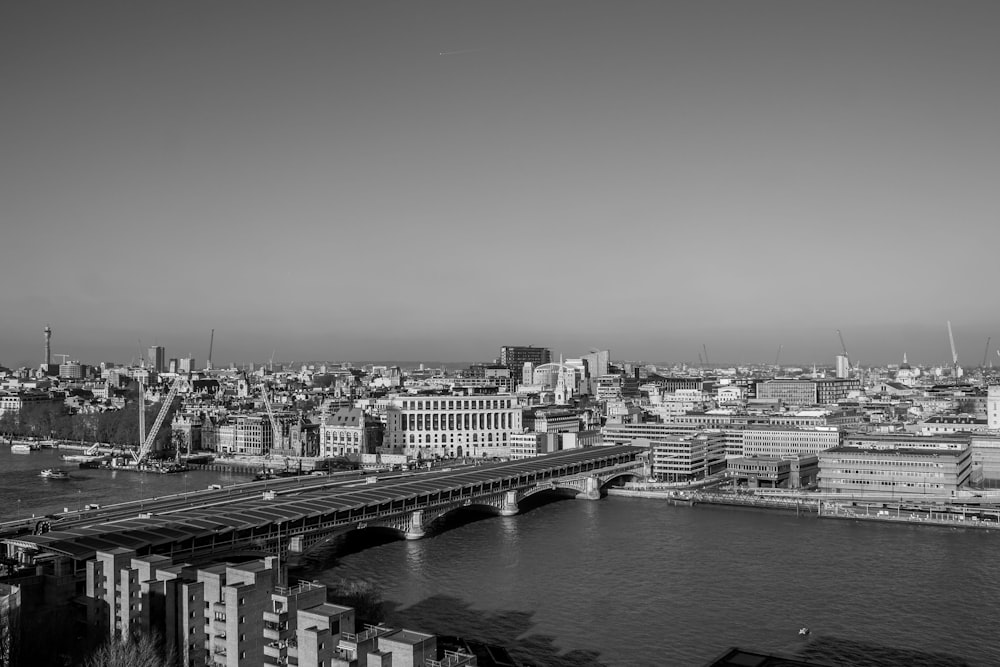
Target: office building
[
  {"x": 452, "y": 426},
  {"x": 807, "y": 392},
  {"x": 894, "y": 473},
  {"x": 687, "y": 458},
  {"x": 349, "y": 432},
  {"x": 515, "y": 356},
  {"x": 787, "y": 441},
  {"x": 157, "y": 358}
]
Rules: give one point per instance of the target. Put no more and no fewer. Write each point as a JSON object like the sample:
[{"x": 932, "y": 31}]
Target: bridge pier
[
  {"x": 509, "y": 506},
  {"x": 416, "y": 529},
  {"x": 591, "y": 489}
]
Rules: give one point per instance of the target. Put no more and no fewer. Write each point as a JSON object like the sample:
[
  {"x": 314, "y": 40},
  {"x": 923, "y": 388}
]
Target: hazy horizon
[{"x": 435, "y": 180}]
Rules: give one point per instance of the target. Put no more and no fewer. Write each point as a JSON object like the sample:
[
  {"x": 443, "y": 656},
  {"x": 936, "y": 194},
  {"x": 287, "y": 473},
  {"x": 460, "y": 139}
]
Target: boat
[
  {"x": 20, "y": 447},
  {"x": 803, "y": 631},
  {"x": 54, "y": 473}
]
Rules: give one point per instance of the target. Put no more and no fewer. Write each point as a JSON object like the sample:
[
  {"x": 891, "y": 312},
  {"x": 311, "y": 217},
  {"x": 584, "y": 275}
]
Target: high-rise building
[
  {"x": 843, "y": 366},
  {"x": 515, "y": 356},
  {"x": 157, "y": 358},
  {"x": 186, "y": 365}
]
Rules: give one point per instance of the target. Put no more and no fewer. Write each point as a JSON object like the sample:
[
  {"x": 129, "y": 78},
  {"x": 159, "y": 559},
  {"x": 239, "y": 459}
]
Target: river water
[
  {"x": 628, "y": 582},
  {"x": 23, "y": 493}
]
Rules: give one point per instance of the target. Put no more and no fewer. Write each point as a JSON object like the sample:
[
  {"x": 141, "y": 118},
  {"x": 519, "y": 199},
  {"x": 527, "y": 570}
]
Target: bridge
[{"x": 293, "y": 516}]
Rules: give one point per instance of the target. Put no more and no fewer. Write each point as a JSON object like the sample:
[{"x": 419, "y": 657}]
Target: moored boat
[
  {"x": 54, "y": 473},
  {"x": 20, "y": 447}
]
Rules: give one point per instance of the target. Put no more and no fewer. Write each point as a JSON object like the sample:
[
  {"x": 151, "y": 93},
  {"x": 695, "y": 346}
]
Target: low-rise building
[
  {"x": 687, "y": 458},
  {"x": 889, "y": 473},
  {"x": 788, "y": 441}
]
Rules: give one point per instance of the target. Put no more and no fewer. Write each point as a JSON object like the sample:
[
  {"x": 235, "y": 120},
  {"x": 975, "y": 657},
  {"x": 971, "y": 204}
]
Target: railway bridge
[{"x": 293, "y": 517}]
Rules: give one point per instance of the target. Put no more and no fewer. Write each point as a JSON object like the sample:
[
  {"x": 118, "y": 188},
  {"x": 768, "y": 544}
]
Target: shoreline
[{"x": 876, "y": 512}]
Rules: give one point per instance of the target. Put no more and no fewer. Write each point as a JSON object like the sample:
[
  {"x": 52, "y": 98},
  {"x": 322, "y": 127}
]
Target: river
[
  {"x": 23, "y": 493},
  {"x": 628, "y": 582}
]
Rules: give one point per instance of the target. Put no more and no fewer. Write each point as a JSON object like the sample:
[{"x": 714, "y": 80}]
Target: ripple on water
[{"x": 635, "y": 582}]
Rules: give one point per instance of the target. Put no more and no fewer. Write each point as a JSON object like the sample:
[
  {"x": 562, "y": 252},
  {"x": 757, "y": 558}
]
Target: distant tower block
[{"x": 48, "y": 346}]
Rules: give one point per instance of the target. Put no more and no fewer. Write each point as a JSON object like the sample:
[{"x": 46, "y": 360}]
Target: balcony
[{"x": 452, "y": 659}]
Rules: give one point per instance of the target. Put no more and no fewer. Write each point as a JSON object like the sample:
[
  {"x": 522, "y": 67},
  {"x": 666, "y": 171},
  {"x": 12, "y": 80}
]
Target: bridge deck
[{"x": 164, "y": 521}]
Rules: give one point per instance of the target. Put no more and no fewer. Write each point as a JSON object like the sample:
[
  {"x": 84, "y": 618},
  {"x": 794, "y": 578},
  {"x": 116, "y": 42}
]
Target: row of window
[
  {"x": 457, "y": 404},
  {"x": 487, "y": 438},
  {"x": 467, "y": 421}
]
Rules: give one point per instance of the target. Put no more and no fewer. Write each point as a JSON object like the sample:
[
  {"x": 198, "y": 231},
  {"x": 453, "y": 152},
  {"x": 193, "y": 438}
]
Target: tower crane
[
  {"x": 211, "y": 344},
  {"x": 986, "y": 352},
  {"x": 954, "y": 353},
  {"x": 707, "y": 363},
  {"x": 777, "y": 357},
  {"x": 844, "y": 348}
]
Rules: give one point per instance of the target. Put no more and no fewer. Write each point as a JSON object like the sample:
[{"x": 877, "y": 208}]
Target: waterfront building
[
  {"x": 787, "y": 441},
  {"x": 888, "y": 473},
  {"x": 247, "y": 434},
  {"x": 985, "y": 450},
  {"x": 772, "y": 472},
  {"x": 349, "y": 432},
  {"x": 906, "y": 440},
  {"x": 13, "y": 401},
  {"x": 687, "y": 458},
  {"x": 452, "y": 426}
]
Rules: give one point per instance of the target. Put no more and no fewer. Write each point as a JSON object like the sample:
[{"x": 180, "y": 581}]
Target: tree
[{"x": 140, "y": 651}]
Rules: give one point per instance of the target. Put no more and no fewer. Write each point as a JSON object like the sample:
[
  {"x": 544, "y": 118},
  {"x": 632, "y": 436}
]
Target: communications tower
[{"x": 48, "y": 346}]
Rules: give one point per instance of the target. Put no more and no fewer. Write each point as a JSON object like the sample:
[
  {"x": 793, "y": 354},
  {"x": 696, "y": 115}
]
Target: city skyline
[
  {"x": 433, "y": 181},
  {"x": 788, "y": 355}
]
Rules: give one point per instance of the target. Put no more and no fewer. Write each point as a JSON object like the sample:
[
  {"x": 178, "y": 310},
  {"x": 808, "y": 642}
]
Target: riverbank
[{"x": 951, "y": 516}]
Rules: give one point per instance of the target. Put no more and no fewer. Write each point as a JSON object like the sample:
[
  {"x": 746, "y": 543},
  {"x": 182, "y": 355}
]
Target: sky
[{"x": 432, "y": 180}]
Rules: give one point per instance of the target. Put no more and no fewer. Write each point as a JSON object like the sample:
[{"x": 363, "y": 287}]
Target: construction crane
[
  {"x": 211, "y": 344},
  {"x": 777, "y": 357},
  {"x": 986, "y": 352},
  {"x": 954, "y": 353},
  {"x": 707, "y": 363},
  {"x": 276, "y": 436},
  {"x": 146, "y": 440},
  {"x": 844, "y": 348}
]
